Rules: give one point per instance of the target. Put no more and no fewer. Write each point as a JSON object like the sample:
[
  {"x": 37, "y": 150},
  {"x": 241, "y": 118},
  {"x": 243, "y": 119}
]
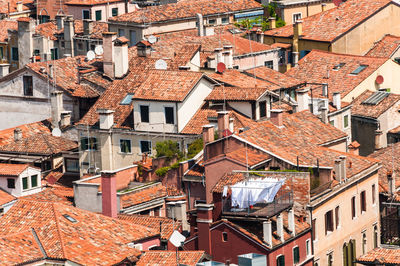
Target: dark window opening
[
  {"x": 169, "y": 115},
  {"x": 224, "y": 236},
  {"x": 10, "y": 183},
  {"x": 337, "y": 219},
  {"x": 85, "y": 14},
  {"x": 24, "y": 183},
  {"x": 280, "y": 260},
  {"x": 125, "y": 145},
  {"x": 89, "y": 143},
  {"x": 353, "y": 207},
  {"x": 14, "y": 54},
  {"x": 328, "y": 222},
  {"x": 34, "y": 181},
  {"x": 145, "y": 146},
  {"x": 144, "y": 113},
  {"x": 114, "y": 11},
  {"x": 296, "y": 255},
  {"x": 263, "y": 109},
  {"x": 363, "y": 202},
  {"x": 28, "y": 85},
  {"x": 98, "y": 15}
]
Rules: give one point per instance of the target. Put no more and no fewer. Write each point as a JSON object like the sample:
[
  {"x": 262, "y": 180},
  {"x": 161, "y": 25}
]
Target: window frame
[
  {"x": 141, "y": 114},
  {"x": 167, "y": 121},
  {"x": 121, "y": 32},
  {"x": 329, "y": 222},
  {"x": 14, "y": 54},
  {"x": 91, "y": 144},
  {"x": 97, "y": 12},
  {"x": 129, "y": 146},
  {"x": 32, "y": 177},
  {"x": 212, "y": 19},
  {"x": 373, "y": 188},
  {"x": 337, "y": 217},
  {"x": 278, "y": 257},
  {"x": 23, "y": 183},
  {"x": 150, "y": 146},
  {"x": 9, "y": 183},
  {"x": 269, "y": 64},
  {"x": 28, "y": 88},
  {"x": 112, "y": 11},
  {"x": 83, "y": 13},
  {"x": 353, "y": 208},
  {"x": 222, "y": 20},
  {"x": 298, "y": 254},
  {"x": 363, "y": 201},
  {"x": 294, "y": 17},
  {"x": 224, "y": 237},
  {"x": 67, "y": 169},
  {"x": 314, "y": 229},
  {"x": 346, "y": 121}
]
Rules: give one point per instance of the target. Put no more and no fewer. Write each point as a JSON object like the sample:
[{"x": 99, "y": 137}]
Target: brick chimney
[
  {"x": 200, "y": 24},
  {"x": 109, "y": 193},
  {"x": 378, "y": 139},
  {"x": 121, "y": 63},
  {"x": 106, "y": 118},
  {"x": 108, "y": 55},
  {"x": 337, "y": 101},
  {"x": 267, "y": 232},
  {"x": 25, "y": 40},
  {"x": 223, "y": 123},
  {"x": 208, "y": 134},
  {"x": 297, "y": 32},
  {"x": 279, "y": 227},
  {"x": 69, "y": 33},
  {"x": 56, "y": 100},
  {"x": 17, "y": 134},
  {"x": 302, "y": 99},
  {"x": 272, "y": 23},
  {"x": 277, "y": 117}
]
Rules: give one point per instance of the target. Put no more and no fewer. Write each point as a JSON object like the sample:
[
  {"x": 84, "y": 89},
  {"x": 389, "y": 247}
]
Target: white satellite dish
[
  {"x": 152, "y": 39},
  {"x": 177, "y": 239},
  {"x": 56, "y": 132},
  {"x": 161, "y": 64},
  {"x": 98, "y": 50},
  {"x": 90, "y": 55}
]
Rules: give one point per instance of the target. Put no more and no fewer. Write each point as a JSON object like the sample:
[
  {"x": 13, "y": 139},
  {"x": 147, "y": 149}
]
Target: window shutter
[{"x": 345, "y": 258}]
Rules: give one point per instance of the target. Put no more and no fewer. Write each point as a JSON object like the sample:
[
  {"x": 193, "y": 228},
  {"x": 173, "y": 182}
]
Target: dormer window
[
  {"x": 338, "y": 66},
  {"x": 358, "y": 69}
]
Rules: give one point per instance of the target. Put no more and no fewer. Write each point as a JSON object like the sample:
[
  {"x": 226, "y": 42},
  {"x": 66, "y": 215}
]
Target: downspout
[
  {"x": 177, "y": 117},
  {"x": 312, "y": 229}
]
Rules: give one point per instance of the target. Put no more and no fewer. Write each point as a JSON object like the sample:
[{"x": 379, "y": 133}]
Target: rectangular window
[
  {"x": 98, "y": 15},
  {"x": 14, "y": 54},
  {"x": 144, "y": 113},
  {"x": 1, "y": 52},
  {"x": 296, "y": 255},
  {"x": 169, "y": 115},
  {"x": 296, "y": 17},
  {"x": 314, "y": 230},
  {"x": 28, "y": 85},
  {"x": 54, "y": 53},
  {"x": 224, "y": 236},
  {"x": 114, "y": 11},
  {"x": 10, "y": 182},
  {"x": 132, "y": 35},
  {"x": 24, "y": 183},
  {"x": 225, "y": 20},
  {"x": 72, "y": 165},
  {"x": 337, "y": 218},
  {"x": 363, "y": 202},
  {"x": 121, "y": 32},
  {"x": 34, "y": 181},
  {"x": 125, "y": 145},
  {"x": 280, "y": 260},
  {"x": 308, "y": 247},
  {"x": 89, "y": 143},
  {"x": 36, "y": 52},
  {"x": 353, "y": 207},
  {"x": 85, "y": 14},
  {"x": 373, "y": 193},
  {"x": 346, "y": 121},
  {"x": 211, "y": 21},
  {"x": 269, "y": 64},
  {"x": 330, "y": 259},
  {"x": 328, "y": 222},
  {"x": 263, "y": 109},
  {"x": 145, "y": 146}
]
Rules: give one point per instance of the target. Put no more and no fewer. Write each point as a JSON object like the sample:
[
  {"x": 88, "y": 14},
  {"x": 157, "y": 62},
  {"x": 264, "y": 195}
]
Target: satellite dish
[
  {"x": 56, "y": 132},
  {"x": 177, "y": 239},
  {"x": 98, "y": 50},
  {"x": 379, "y": 79},
  {"x": 221, "y": 67},
  {"x": 161, "y": 64},
  {"x": 152, "y": 39},
  {"x": 90, "y": 55}
]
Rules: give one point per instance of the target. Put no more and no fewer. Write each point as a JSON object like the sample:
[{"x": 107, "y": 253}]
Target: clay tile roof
[
  {"x": 143, "y": 195},
  {"x": 374, "y": 110},
  {"x": 66, "y": 232},
  {"x": 314, "y": 67},
  {"x": 385, "y": 47},
  {"x": 227, "y": 180},
  {"x": 8, "y": 169},
  {"x": 5, "y": 197},
  {"x": 169, "y": 258},
  {"x": 330, "y": 25},
  {"x": 273, "y": 76},
  {"x": 250, "y": 156},
  {"x": 5, "y": 26},
  {"x": 53, "y": 193},
  {"x": 48, "y": 29},
  {"x": 28, "y": 130},
  {"x": 163, "y": 85},
  {"x": 163, "y": 225},
  {"x": 90, "y": 2},
  {"x": 228, "y": 93},
  {"x": 121, "y": 39},
  {"x": 185, "y": 9},
  {"x": 385, "y": 256},
  {"x": 13, "y": 6}
]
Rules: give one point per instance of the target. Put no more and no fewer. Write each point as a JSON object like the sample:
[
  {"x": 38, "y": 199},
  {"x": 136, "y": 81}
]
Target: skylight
[
  {"x": 358, "y": 69},
  {"x": 376, "y": 98},
  {"x": 69, "y": 218},
  {"x": 338, "y": 66},
  {"x": 127, "y": 100}
]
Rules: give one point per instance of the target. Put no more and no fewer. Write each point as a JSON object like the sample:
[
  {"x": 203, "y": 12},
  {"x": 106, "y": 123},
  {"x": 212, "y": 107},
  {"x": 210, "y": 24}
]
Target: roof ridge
[
  {"x": 63, "y": 250},
  {"x": 346, "y": 55}
]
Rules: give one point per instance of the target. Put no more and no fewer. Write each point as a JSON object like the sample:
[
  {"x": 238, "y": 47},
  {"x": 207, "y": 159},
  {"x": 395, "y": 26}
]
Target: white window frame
[
  {"x": 308, "y": 248},
  {"x": 293, "y": 254},
  {"x": 130, "y": 142},
  {"x": 276, "y": 258},
  {"x": 85, "y": 10},
  {"x": 140, "y": 146},
  {"x": 294, "y": 15},
  {"x": 225, "y": 23},
  {"x": 215, "y": 21}
]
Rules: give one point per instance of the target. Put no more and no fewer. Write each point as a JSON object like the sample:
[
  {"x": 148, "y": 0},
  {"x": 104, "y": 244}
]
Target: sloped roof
[
  {"x": 8, "y": 169},
  {"x": 385, "y": 47},
  {"x": 373, "y": 111},
  {"x": 5, "y": 26},
  {"x": 12, "y": 4},
  {"x": 53, "y": 193},
  {"x": 273, "y": 76},
  {"x": 385, "y": 256},
  {"x": 91, "y": 2},
  {"x": 157, "y": 191},
  {"x": 162, "y": 257},
  {"x": 228, "y": 93},
  {"x": 5, "y": 197}
]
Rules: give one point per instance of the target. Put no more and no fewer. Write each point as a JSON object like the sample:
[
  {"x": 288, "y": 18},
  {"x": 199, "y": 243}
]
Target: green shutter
[
  {"x": 345, "y": 257},
  {"x": 34, "y": 181},
  {"x": 296, "y": 255},
  {"x": 353, "y": 252},
  {"x": 98, "y": 15},
  {"x": 114, "y": 11},
  {"x": 25, "y": 183},
  {"x": 84, "y": 144}
]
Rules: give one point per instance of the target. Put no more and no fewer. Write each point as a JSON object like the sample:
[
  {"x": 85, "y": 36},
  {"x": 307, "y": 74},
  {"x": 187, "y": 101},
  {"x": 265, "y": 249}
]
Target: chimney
[
  {"x": 267, "y": 232},
  {"x": 231, "y": 124},
  {"x": 272, "y": 23},
  {"x": 323, "y": 7},
  {"x": 343, "y": 167},
  {"x": 87, "y": 26},
  {"x": 208, "y": 134},
  {"x": 109, "y": 194},
  {"x": 56, "y": 108},
  {"x": 143, "y": 48},
  {"x": 25, "y": 40},
  {"x": 291, "y": 222},
  {"x": 277, "y": 117},
  {"x": 297, "y": 32},
  {"x": 200, "y": 24},
  {"x": 302, "y": 99},
  {"x": 228, "y": 56},
  {"x": 338, "y": 173},
  {"x": 60, "y": 21},
  {"x": 65, "y": 118},
  {"x": 218, "y": 57},
  {"x": 223, "y": 123},
  {"x": 19, "y": 6},
  {"x": 354, "y": 147},
  {"x": 324, "y": 115},
  {"x": 121, "y": 63},
  {"x": 17, "y": 134},
  {"x": 106, "y": 118},
  {"x": 4, "y": 69},
  {"x": 378, "y": 139},
  {"x": 391, "y": 183},
  {"x": 108, "y": 54},
  {"x": 279, "y": 227},
  {"x": 337, "y": 102},
  {"x": 51, "y": 71},
  {"x": 325, "y": 89},
  {"x": 69, "y": 33}
]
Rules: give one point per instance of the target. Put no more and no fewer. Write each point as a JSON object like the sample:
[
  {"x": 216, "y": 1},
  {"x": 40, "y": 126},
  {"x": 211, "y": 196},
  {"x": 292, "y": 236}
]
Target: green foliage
[
  {"x": 314, "y": 183},
  {"x": 161, "y": 172},
  {"x": 175, "y": 165},
  {"x": 194, "y": 148},
  {"x": 169, "y": 149}
]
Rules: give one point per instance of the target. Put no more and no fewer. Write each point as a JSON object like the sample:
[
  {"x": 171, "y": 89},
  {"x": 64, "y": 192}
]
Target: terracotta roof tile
[
  {"x": 374, "y": 111},
  {"x": 228, "y": 93},
  {"x": 5, "y": 26},
  {"x": 169, "y": 258},
  {"x": 28, "y": 130},
  {"x": 5, "y": 197},
  {"x": 91, "y": 2},
  {"x": 157, "y": 191},
  {"x": 47, "y": 29},
  {"x": 273, "y": 76},
  {"x": 185, "y": 9},
  {"x": 330, "y": 25},
  {"x": 8, "y": 169},
  {"x": 13, "y": 6},
  {"x": 54, "y": 193},
  {"x": 385, "y": 47},
  {"x": 384, "y": 256}
]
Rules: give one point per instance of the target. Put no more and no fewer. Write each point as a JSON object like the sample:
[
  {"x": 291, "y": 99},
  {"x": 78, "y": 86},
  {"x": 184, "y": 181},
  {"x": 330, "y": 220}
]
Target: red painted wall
[{"x": 150, "y": 242}]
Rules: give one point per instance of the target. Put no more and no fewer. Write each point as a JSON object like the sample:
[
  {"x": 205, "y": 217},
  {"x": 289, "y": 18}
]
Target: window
[
  {"x": 353, "y": 207},
  {"x": 346, "y": 121},
  {"x": 145, "y": 146},
  {"x": 10, "y": 183},
  {"x": 36, "y": 52},
  {"x": 34, "y": 181},
  {"x": 144, "y": 113},
  {"x": 314, "y": 229},
  {"x": 1, "y": 53},
  {"x": 72, "y": 165},
  {"x": 125, "y": 145},
  {"x": 280, "y": 260},
  {"x": 364, "y": 243},
  {"x": 358, "y": 70},
  {"x": 114, "y": 12},
  {"x": 80, "y": 46},
  {"x": 85, "y": 14},
  {"x": 25, "y": 183},
  {"x": 14, "y": 54},
  {"x": 89, "y": 143},
  {"x": 263, "y": 109},
  {"x": 121, "y": 32},
  {"x": 332, "y": 122},
  {"x": 296, "y": 17},
  {"x": 338, "y": 66},
  {"x": 330, "y": 259},
  {"x": 211, "y": 21},
  {"x": 269, "y": 64},
  {"x": 308, "y": 247},
  {"x": 98, "y": 15},
  {"x": 169, "y": 115},
  {"x": 132, "y": 35},
  {"x": 224, "y": 236},
  {"x": 363, "y": 202},
  {"x": 296, "y": 255},
  {"x": 127, "y": 100},
  {"x": 328, "y": 222},
  {"x": 337, "y": 218},
  {"x": 28, "y": 85},
  {"x": 375, "y": 236},
  {"x": 54, "y": 53},
  {"x": 373, "y": 193},
  {"x": 225, "y": 20}
]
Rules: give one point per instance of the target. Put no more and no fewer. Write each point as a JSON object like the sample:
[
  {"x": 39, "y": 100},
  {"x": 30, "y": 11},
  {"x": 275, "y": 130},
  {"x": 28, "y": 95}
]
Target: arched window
[
  {"x": 345, "y": 255},
  {"x": 352, "y": 252},
  {"x": 364, "y": 243},
  {"x": 375, "y": 236}
]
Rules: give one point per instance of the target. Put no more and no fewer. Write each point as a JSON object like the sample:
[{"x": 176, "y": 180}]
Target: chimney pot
[
  {"x": 208, "y": 134},
  {"x": 17, "y": 134},
  {"x": 378, "y": 139},
  {"x": 272, "y": 23},
  {"x": 109, "y": 193},
  {"x": 277, "y": 117},
  {"x": 337, "y": 102},
  {"x": 121, "y": 58},
  {"x": 60, "y": 21},
  {"x": 223, "y": 123},
  {"x": 267, "y": 232},
  {"x": 65, "y": 118}
]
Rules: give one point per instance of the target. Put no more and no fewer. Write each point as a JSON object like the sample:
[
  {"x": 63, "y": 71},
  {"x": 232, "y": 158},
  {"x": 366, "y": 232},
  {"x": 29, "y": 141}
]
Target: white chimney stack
[
  {"x": 106, "y": 118},
  {"x": 337, "y": 102},
  {"x": 302, "y": 99},
  {"x": 108, "y": 55},
  {"x": 343, "y": 167},
  {"x": 291, "y": 221},
  {"x": 200, "y": 24},
  {"x": 121, "y": 64},
  {"x": 279, "y": 227},
  {"x": 267, "y": 232},
  {"x": 56, "y": 108},
  {"x": 17, "y": 134}
]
